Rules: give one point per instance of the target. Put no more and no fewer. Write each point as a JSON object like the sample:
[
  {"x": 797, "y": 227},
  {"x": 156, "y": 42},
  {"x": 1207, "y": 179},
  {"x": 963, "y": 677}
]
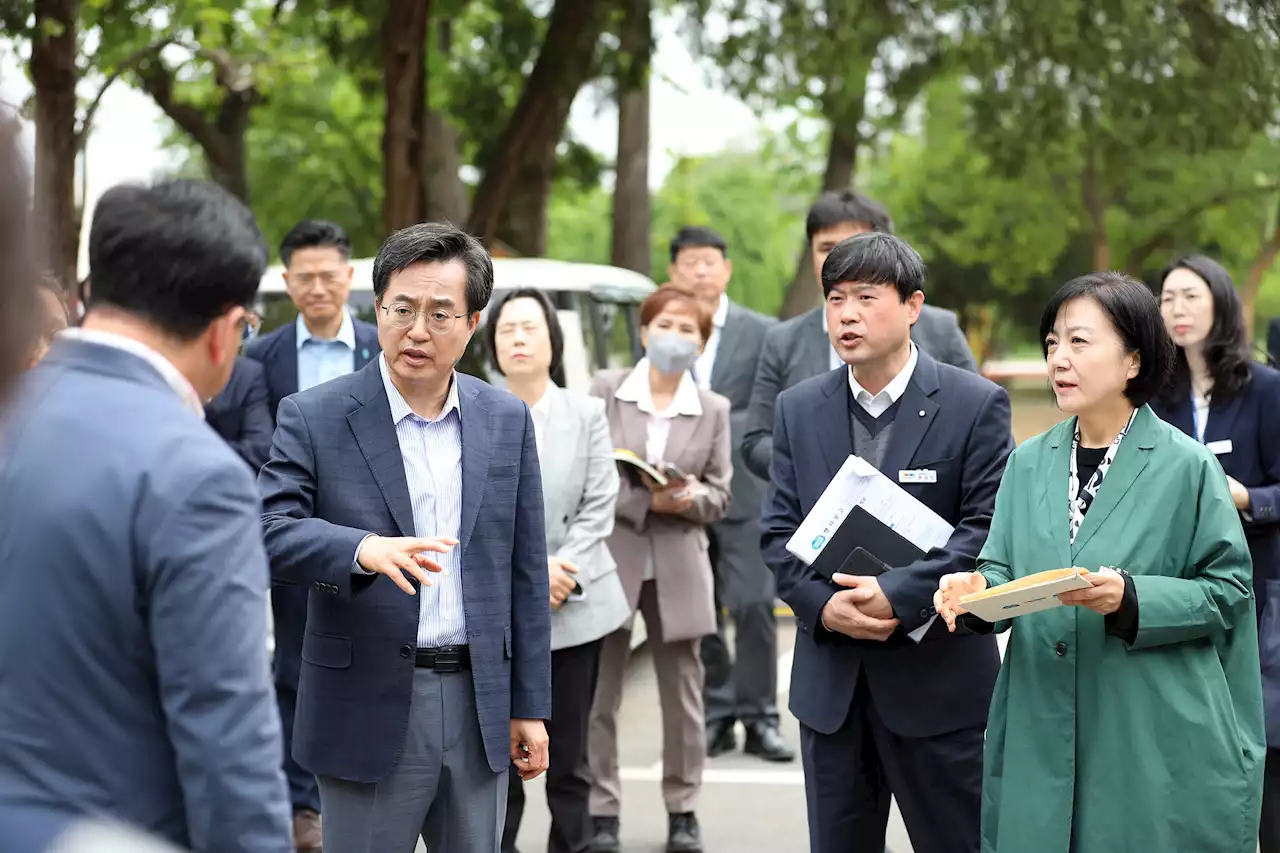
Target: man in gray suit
[
  {"x": 799, "y": 348},
  {"x": 133, "y": 599},
  {"x": 742, "y": 687},
  {"x": 417, "y": 690}
]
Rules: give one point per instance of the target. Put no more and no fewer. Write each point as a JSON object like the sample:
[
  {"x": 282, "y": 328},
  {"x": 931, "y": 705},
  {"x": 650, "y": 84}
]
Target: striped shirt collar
[
  {"x": 168, "y": 372},
  {"x": 400, "y": 408}
]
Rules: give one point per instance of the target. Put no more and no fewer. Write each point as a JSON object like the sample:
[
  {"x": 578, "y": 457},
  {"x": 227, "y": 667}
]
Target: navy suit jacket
[
  {"x": 954, "y": 423},
  {"x": 278, "y": 354},
  {"x": 1251, "y": 422},
  {"x": 336, "y": 475},
  {"x": 133, "y": 622},
  {"x": 242, "y": 415}
]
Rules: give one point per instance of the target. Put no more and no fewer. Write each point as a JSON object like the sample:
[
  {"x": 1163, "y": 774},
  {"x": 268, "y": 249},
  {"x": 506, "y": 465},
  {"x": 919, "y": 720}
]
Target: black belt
[{"x": 445, "y": 658}]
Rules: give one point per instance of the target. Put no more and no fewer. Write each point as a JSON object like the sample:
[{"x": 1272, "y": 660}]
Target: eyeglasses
[
  {"x": 252, "y": 325},
  {"x": 405, "y": 317}
]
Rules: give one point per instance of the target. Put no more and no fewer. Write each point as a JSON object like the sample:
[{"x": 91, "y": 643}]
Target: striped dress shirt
[{"x": 432, "y": 455}]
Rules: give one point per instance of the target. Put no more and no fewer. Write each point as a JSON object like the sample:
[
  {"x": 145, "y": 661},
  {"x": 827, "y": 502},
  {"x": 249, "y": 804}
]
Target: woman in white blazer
[{"x": 579, "y": 493}]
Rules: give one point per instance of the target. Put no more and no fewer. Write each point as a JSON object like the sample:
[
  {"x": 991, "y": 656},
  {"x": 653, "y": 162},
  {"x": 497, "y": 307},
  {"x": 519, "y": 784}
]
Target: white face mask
[{"x": 670, "y": 353}]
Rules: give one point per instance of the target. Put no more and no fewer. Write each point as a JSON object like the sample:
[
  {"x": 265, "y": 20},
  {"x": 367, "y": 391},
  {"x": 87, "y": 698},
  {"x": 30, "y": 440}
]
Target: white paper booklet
[{"x": 1029, "y": 594}]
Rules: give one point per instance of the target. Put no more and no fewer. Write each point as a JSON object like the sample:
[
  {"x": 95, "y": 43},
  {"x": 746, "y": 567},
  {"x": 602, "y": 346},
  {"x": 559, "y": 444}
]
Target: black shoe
[
  {"x": 764, "y": 740},
  {"x": 683, "y": 835},
  {"x": 605, "y": 839},
  {"x": 721, "y": 738}
]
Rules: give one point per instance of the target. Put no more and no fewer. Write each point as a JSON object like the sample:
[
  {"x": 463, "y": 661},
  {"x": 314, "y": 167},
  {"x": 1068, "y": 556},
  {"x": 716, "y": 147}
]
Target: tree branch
[
  {"x": 1139, "y": 254},
  {"x": 128, "y": 64}
]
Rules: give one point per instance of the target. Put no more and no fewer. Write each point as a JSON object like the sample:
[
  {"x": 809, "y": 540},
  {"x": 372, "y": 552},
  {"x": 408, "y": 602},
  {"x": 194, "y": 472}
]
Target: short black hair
[
  {"x": 314, "y": 234},
  {"x": 1135, "y": 315},
  {"x": 836, "y": 206},
  {"x": 554, "y": 330},
  {"x": 436, "y": 242},
  {"x": 874, "y": 258},
  {"x": 1227, "y": 352},
  {"x": 697, "y": 237},
  {"x": 177, "y": 254}
]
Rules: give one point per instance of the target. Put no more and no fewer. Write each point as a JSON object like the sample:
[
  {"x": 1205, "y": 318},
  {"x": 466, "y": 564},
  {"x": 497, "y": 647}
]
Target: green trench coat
[{"x": 1156, "y": 747}]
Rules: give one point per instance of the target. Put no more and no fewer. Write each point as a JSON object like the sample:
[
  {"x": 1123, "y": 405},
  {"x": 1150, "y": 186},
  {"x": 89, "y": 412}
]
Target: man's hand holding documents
[{"x": 863, "y": 524}]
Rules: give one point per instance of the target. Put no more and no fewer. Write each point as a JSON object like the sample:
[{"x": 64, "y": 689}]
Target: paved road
[{"x": 747, "y": 804}]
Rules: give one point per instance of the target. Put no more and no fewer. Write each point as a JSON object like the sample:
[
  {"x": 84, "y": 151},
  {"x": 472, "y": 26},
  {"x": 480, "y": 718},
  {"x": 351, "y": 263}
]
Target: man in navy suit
[
  {"x": 324, "y": 343},
  {"x": 241, "y": 414},
  {"x": 133, "y": 581},
  {"x": 883, "y": 714},
  {"x": 406, "y": 498}
]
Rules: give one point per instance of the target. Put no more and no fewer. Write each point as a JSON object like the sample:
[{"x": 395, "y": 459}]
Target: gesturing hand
[
  {"x": 394, "y": 556},
  {"x": 947, "y": 599},
  {"x": 529, "y": 747},
  {"x": 1103, "y": 597},
  {"x": 843, "y": 613},
  {"x": 562, "y": 583}
]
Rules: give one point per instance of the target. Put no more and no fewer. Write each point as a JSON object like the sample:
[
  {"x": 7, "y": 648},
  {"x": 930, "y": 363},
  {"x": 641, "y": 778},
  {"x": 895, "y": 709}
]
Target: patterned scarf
[{"x": 1081, "y": 499}]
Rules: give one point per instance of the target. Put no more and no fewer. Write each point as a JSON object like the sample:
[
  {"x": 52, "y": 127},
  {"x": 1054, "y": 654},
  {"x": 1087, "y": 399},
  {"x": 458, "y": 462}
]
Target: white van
[{"x": 596, "y": 305}]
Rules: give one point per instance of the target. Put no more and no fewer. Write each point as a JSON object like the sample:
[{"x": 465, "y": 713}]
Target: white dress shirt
[
  {"x": 878, "y": 404},
  {"x": 170, "y": 374},
  {"x": 706, "y": 362},
  {"x": 432, "y": 454},
  {"x": 323, "y": 359},
  {"x": 635, "y": 389}
]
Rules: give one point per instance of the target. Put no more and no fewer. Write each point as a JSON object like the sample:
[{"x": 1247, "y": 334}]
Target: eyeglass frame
[{"x": 417, "y": 312}]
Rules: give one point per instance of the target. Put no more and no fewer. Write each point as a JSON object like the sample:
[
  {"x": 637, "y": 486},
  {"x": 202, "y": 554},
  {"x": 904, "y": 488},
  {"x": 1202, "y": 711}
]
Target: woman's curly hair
[{"x": 17, "y": 276}]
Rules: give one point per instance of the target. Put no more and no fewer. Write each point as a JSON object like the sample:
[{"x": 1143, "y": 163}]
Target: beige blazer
[
  {"x": 682, "y": 570},
  {"x": 579, "y": 493}
]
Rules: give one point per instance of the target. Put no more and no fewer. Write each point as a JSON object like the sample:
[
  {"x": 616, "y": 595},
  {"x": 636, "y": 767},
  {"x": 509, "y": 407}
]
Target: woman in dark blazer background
[{"x": 1220, "y": 396}]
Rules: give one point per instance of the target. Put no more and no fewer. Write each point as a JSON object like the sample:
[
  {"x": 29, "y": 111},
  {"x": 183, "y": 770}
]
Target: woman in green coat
[{"x": 1129, "y": 721}]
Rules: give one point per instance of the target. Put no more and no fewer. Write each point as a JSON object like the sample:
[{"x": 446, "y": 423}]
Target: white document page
[{"x": 859, "y": 483}]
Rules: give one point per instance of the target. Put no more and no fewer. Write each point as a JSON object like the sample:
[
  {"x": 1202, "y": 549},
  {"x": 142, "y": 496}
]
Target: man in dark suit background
[
  {"x": 133, "y": 582},
  {"x": 883, "y": 714},
  {"x": 742, "y": 687},
  {"x": 416, "y": 692},
  {"x": 325, "y": 342},
  {"x": 241, "y": 413},
  {"x": 798, "y": 348}
]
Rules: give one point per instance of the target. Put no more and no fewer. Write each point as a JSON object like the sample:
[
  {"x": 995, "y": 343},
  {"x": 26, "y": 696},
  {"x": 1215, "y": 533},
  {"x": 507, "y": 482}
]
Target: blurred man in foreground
[{"x": 134, "y": 678}]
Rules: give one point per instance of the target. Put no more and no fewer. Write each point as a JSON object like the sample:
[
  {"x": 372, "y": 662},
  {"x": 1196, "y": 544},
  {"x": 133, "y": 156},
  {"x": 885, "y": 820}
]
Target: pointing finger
[{"x": 427, "y": 563}]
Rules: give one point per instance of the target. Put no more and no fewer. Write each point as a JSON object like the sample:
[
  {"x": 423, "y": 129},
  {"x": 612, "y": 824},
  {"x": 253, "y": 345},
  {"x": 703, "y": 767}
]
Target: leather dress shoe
[
  {"x": 764, "y": 740},
  {"x": 605, "y": 837},
  {"x": 683, "y": 834},
  {"x": 308, "y": 834},
  {"x": 721, "y": 738}
]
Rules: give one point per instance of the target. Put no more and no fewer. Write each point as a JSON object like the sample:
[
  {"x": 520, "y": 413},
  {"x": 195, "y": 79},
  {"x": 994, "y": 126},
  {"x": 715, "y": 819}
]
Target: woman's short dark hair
[
  {"x": 874, "y": 258},
  {"x": 554, "y": 331},
  {"x": 1226, "y": 349},
  {"x": 1135, "y": 315}
]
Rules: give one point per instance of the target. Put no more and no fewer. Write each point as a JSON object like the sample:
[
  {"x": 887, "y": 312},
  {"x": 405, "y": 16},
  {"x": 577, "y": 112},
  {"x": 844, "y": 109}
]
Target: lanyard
[{"x": 1195, "y": 418}]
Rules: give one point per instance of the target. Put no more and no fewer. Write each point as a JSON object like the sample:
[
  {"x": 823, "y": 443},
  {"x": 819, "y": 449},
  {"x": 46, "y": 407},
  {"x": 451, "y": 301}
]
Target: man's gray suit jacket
[
  {"x": 336, "y": 474},
  {"x": 798, "y": 348},
  {"x": 134, "y": 676}
]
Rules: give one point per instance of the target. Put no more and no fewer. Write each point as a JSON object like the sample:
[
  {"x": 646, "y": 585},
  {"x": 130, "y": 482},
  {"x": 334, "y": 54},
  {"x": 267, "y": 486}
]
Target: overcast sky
[{"x": 687, "y": 117}]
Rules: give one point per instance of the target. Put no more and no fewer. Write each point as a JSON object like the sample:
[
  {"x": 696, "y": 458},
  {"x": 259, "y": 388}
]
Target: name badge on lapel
[
  {"x": 1218, "y": 448},
  {"x": 919, "y": 475}
]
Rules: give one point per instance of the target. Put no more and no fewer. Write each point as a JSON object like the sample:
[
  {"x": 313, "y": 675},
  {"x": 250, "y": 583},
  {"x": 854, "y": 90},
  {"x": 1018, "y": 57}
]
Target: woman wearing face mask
[
  {"x": 1225, "y": 400},
  {"x": 1130, "y": 719},
  {"x": 579, "y": 494},
  {"x": 658, "y": 412}
]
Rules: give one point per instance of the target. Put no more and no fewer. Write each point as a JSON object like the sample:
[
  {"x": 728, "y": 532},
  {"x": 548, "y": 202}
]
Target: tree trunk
[
  {"x": 510, "y": 203},
  {"x": 631, "y": 208},
  {"x": 404, "y": 77},
  {"x": 54, "y": 76},
  {"x": 1257, "y": 271},
  {"x": 1095, "y": 204},
  {"x": 842, "y": 157},
  {"x": 221, "y": 140},
  {"x": 444, "y": 193}
]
